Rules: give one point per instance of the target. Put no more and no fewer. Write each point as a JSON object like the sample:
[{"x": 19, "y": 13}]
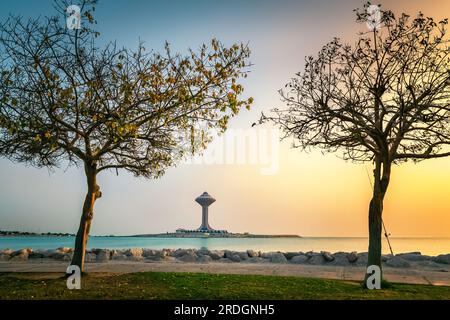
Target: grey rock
[
  {"x": 443, "y": 258},
  {"x": 38, "y": 254},
  {"x": 397, "y": 262},
  {"x": 316, "y": 259},
  {"x": 156, "y": 258},
  {"x": 146, "y": 253},
  {"x": 362, "y": 259},
  {"x": 225, "y": 260},
  {"x": 340, "y": 259},
  {"x": 118, "y": 255},
  {"x": 257, "y": 260},
  {"x": 234, "y": 257},
  {"x": 413, "y": 256},
  {"x": 278, "y": 257},
  {"x": 103, "y": 255},
  {"x": 299, "y": 259},
  {"x": 242, "y": 255},
  {"x": 216, "y": 254},
  {"x": 427, "y": 264},
  {"x": 204, "y": 252},
  {"x": 204, "y": 258},
  {"x": 181, "y": 252},
  {"x": 253, "y": 253},
  {"x": 352, "y": 257},
  {"x": 188, "y": 257},
  {"x": 327, "y": 256},
  {"x": 290, "y": 255}
]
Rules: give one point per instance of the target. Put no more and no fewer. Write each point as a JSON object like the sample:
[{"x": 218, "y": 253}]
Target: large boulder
[
  {"x": 290, "y": 255},
  {"x": 299, "y": 259},
  {"x": 340, "y": 259},
  {"x": 5, "y": 254},
  {"x": 327, "y": 256},
  {"x": 103, "y": 255},
  {"x": 316, "y": 259},
  {"x": 216, "y": 254},
  {"x": 181, "y": 252},
  {"x": 57, "y": 255},
  {"x": 257, "y": 260},
  {"x": 427, "y": 264},
  {"x": 443, "y": 258},
  {"x": 4, "y": 257},
  {"x": 278, "y": 257},
  {"x": 362, "y": 259},
  {"x": 37, "y": 254},
  {"x": 118, "y": 255},
  {"x": 352, "y": 257},
  {"x": 189, "y": 256},
  {"x": 204, "y": 252},
  {"x": 397, "y": 262},
  {"x": 243, "y": 255},
  {"x": 20, "y": 255},
  {"x": 232, "y": 256},
  {"x": 253, "y": 253},
  {"x": 149, "y": 253},
  {"x": 204, "y": 258},
  {"x": 413, "y": 256},
  {"x": 274, "y": 257},
  {"x": 134, "y": 253}
]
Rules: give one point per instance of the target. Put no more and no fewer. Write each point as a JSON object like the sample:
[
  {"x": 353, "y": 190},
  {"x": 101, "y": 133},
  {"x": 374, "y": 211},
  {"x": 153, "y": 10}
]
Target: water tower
[{"x": 205, "y": 200}]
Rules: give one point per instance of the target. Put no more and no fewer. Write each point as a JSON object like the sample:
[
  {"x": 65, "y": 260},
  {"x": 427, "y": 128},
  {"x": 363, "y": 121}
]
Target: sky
[{"x": 287, "y": 191}]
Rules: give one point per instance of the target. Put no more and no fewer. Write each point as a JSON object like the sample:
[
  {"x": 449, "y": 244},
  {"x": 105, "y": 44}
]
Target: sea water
[{"x": 428, "y": 246}]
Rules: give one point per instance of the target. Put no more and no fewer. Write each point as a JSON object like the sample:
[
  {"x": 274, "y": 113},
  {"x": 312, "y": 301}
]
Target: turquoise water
[{"x": 429, "y": 246}]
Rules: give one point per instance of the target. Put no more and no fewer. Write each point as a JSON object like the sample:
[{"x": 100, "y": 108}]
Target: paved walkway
[{"x": 406, "y": 275}]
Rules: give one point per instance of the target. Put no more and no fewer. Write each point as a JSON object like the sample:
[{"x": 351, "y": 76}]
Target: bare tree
[
  {"x": 385, "y": 100},
  {"x": 64, "y": 99}
]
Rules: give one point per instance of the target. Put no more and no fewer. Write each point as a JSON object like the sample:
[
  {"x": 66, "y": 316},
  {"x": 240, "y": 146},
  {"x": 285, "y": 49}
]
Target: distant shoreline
[
  {"x": 155, "y": 235},
  {"x": 213, "y": 235}
]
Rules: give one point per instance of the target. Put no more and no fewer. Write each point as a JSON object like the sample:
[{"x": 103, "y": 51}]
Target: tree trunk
[
  {"x": 381, "y": 183},
  {"x": 87, "y": 215}
]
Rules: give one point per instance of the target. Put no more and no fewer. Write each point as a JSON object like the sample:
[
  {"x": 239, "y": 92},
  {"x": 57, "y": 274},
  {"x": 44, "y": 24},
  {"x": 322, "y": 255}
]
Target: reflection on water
[{"x": 430, "y": 246}]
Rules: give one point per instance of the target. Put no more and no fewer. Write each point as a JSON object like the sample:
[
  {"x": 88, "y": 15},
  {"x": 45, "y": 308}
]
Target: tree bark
[
  {"x": 382, "y": 173},
  {"x": 87, "y": 215}
]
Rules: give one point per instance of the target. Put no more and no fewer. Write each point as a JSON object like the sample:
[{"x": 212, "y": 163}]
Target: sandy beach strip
[{"x": 400, "y": 275}]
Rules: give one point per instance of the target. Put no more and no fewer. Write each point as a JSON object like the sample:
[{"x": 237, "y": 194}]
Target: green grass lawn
[{"x": 159, "y": 285}]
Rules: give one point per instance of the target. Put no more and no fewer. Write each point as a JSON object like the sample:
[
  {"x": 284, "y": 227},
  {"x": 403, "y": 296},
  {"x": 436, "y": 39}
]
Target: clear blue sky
[{"x": 301, "y": 198}]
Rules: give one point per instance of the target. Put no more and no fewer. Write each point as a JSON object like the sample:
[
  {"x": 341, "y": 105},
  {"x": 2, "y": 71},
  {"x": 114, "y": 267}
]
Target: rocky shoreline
[{"x": 402, "y": 260}]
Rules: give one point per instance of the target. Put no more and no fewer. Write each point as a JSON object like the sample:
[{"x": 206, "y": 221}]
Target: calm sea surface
[{"x": 429, "y": 246}]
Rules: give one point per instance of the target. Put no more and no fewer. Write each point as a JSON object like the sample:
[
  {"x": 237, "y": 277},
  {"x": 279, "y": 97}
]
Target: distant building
[{"x": 205, "y": 200}]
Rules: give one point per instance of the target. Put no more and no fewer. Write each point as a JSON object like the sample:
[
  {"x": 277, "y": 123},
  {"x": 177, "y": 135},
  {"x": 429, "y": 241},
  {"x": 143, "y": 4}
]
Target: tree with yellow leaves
[{"x": 64, "y": 99}]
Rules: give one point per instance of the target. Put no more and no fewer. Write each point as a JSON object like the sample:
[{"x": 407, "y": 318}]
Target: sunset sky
[{"x": 310, "y": 194}]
